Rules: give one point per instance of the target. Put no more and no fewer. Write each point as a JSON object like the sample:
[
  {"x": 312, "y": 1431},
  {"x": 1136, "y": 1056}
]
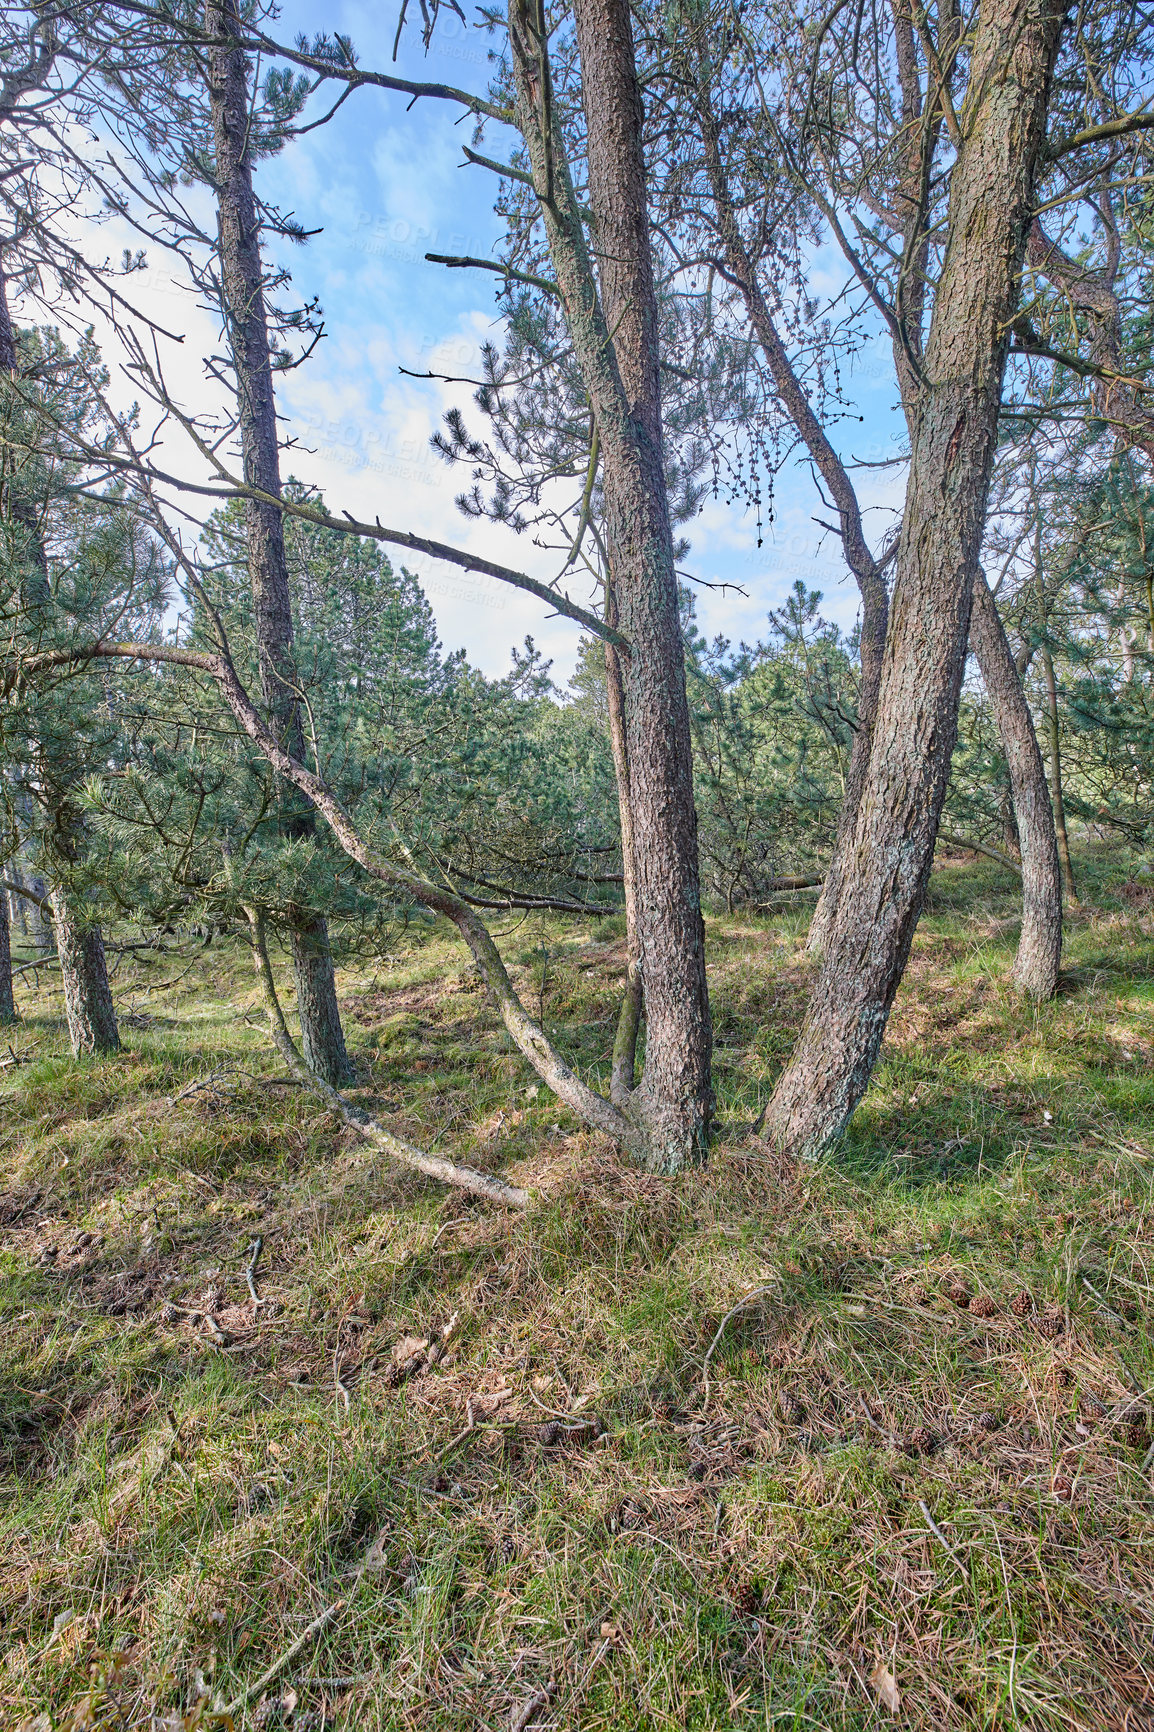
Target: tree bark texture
[
  {"x": 7, "y": 998},
  {"x": 242, "y": 281},
  {"x": 1053, "y": 728},
  {"x": 624, "y": 1073},
  {"x": 1040, "y": 943},
  {"x": 612, "y": 320},
  {"x": 954, "y": 426},
  {"x": 88, "y": 1005}
]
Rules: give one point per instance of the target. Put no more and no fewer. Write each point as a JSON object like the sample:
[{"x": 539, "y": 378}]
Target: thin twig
[
  {"x": 942, "y": 1540},
  {"x": 758, "y": 1293},
  {"x": 289, "y": 1655},
  {"x": 250, "y": 1272},
  {"x": 461, "y": 1221},
  {"x": 532, "y": 1705}
]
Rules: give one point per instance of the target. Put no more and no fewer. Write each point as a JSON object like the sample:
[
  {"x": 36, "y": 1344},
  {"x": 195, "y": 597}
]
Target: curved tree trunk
[
  {"x": 242, "y": 282},
  {"x": 88, "y": 1004},
  {"x": 1040, "y": 942},
  {"x": 867, "y": 573},
  {"x": 954, "y": 430}
]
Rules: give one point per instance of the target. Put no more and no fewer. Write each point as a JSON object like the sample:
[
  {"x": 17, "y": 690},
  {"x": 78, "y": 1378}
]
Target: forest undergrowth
[{"x": 419, "y": 1462}]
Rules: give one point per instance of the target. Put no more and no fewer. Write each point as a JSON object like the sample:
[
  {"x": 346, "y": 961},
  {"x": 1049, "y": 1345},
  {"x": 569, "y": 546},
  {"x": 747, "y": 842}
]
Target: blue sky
[{"x": 385, "y": 187}]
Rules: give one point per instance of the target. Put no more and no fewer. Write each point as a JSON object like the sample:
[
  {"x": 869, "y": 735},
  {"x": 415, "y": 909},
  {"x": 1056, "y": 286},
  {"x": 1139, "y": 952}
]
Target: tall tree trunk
[
  {"x": 88, "y": 1004},
  {"x": 624, "y": 1073},
  {"x": 41, "y": 929},
  {"x": 954, "y": 432},
  {"x": 17, "y": 906},
  {"x": 1040, "y": 943},
  {"x": 242, "y": 281},
  {"x": 7, "y": 999},
  {"x": 612, "y": 321},
  {"x": 1055, "y": 741}
]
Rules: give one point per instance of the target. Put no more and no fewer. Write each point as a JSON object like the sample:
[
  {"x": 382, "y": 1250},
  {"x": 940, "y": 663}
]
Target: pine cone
[
  {"x": 921, "y": 1441},
  {"x": 1063, "y": 1376},
  {"x": 1050, "y": 1326},
  {"x": 747, "y": 1599},
  {"x": 548, "y": 1434},
  {"x": 1092, "y": 1407},
  {"x": 921, "y": 1295},
  {"x": 988, "y": 1421},
  {"x": 1136, "y": 1434},
  {"x": 983, "y": 1306},
  {"x": 790, "y": 1408},
  {"x": 1022, "y": 1303},
  {"x": 959, "y": 1295}
]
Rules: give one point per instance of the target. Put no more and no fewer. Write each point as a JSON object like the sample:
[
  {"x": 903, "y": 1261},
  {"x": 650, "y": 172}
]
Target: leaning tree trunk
[
  {"x": 7, "y": 999},
  {"x": 796, "y": 400},
  {"x": 87, "y": 996},
  {"x": 1040, "y": 942},
  {"x": 242, "y": 282},
  {"x": 955, "y": 420},
  {"x": 612, "y": 321}
]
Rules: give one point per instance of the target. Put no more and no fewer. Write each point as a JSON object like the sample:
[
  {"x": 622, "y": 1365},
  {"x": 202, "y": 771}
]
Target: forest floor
[{"x": 911, "y": 1484}]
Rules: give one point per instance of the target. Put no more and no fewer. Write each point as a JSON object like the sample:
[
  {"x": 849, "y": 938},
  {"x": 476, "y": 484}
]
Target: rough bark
[
  {"x": 1040, "y": 943},
  {"x": 624, "y": 1073},
  {"x": 612, "y": 321},
  {"x": 242, "y": 283},
  {"x": 88, "y": 1003},
  {"x": 1053, "y": 729},
  {"x": 1116, "y": 391},
  {"x": 954, "y": 426},
  {"x": 7, "y": 999}
]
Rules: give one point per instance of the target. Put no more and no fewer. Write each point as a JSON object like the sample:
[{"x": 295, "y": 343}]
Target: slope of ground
[{"x": 908, "y": 1480}]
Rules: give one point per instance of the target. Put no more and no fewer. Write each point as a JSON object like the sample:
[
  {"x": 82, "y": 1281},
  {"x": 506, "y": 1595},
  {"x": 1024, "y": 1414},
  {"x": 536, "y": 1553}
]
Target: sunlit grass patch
[{"x": 919, "y": 1442}]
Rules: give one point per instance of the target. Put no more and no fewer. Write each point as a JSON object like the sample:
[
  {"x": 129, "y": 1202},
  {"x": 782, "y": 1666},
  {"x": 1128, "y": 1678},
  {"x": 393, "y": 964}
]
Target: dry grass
[{"x": 557, "y": 1513}]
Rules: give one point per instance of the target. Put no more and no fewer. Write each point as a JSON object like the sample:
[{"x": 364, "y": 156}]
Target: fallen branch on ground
[
  {"x": 980, "y": 848},
  {"x": 285, "y": 1659},
  {"x": 758, "y": 1293},
  {"x": 433, "y": 1166}
]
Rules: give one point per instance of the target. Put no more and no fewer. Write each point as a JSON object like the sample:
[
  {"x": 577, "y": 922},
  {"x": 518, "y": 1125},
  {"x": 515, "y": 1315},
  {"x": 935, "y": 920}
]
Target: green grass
[{"x": 179, "y": 1503}]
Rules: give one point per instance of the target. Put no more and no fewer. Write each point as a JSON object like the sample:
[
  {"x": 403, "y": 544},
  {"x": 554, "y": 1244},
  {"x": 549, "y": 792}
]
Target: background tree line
[{"x": 299, "y": 753}]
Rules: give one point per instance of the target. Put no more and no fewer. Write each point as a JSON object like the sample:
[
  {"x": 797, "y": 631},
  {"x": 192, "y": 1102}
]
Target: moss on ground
[{"x": 921, "y": 1450}]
